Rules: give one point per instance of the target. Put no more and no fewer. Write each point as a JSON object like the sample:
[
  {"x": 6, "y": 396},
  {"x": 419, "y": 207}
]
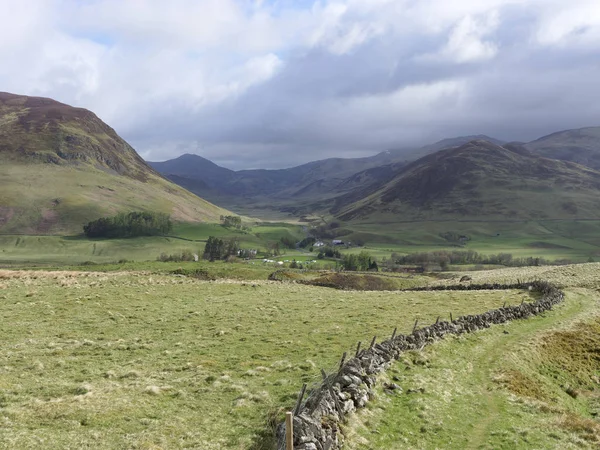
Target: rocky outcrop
[{"x": 317, "y": 421}]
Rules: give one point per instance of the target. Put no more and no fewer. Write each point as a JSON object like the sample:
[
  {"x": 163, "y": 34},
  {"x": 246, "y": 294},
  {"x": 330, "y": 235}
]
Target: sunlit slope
[{"x": 62, "y": 166}]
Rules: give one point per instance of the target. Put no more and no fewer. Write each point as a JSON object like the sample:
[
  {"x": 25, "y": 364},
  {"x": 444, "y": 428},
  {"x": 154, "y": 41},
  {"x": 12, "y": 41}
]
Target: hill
[
  {"x": 581, "y": 146},
  {"x": 479, "y": 180},
  {"x": 62, "y": 166}
]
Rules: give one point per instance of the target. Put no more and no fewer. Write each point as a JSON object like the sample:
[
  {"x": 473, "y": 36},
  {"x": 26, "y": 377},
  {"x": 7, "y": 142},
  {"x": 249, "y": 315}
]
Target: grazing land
[
  {"x": 525, "y": 384},
  {"x": 577, "y": 241},
  {"x": 144, "y": 360}
]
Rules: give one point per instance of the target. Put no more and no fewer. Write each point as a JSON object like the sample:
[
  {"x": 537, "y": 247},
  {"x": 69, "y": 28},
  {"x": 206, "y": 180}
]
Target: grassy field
[
  {"x": 575, "y": 240},
  {"x": 68, "y": 250},
  {"x": 143, "y": 360},
  {"x": 572, "y": 239},
  {"x": 526, "y": 384}
]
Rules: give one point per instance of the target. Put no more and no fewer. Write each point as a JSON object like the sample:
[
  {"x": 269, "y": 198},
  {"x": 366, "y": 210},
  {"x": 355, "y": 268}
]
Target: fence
[{"x": 314, "y": 424}]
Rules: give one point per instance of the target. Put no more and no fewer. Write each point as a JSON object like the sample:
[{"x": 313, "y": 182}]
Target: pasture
[
  {"x": 526, "y": 384},
  {"x": 146, "y": 360},
  {"x": 578, "y": 241}
]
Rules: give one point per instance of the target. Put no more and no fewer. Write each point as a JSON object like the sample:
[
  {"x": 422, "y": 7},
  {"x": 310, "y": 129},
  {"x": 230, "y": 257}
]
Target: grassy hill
[
  {"x": 62, "y": 166},
  {"x": 482, "y": 181}
]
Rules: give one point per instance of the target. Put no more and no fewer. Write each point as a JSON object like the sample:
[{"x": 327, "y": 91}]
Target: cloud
[{"x": 275, "y": 83}]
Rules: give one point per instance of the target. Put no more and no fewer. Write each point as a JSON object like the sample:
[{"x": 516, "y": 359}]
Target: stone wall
[{"x": 317, "y": 420}]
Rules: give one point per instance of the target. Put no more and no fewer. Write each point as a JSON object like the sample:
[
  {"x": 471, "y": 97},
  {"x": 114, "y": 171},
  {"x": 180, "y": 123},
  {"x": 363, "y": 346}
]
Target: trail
[
  {"x": 489, "y": 356},
  {"x": 464, "y": 407}
]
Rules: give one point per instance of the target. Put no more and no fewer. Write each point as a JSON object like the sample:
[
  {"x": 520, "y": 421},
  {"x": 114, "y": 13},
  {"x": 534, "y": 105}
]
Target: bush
[{"x": 185, "y": 255}]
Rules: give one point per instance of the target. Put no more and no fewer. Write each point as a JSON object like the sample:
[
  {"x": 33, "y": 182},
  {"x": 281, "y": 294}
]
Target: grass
[
  {"x": 574, "y": 240},
  {"x": 68, "y": 250},
  {"x": 525, "y": 384},
  {"x": 552, "y": 239},
  {"x": 142, "y": 360}
]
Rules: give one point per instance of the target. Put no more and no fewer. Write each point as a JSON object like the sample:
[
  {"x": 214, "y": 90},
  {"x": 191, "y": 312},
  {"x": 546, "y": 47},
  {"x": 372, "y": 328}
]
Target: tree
[
  {"x": 130, "y": 224},
  {"x": 232, "y": 221}
]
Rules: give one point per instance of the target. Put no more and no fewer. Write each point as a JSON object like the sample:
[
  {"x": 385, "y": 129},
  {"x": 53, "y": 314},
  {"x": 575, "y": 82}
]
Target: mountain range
[{"x": 555, "y": 176}]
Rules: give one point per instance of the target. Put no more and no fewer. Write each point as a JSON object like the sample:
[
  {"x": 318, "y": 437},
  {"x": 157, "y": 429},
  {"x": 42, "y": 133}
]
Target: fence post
[
  {"x": 415, "y": 327},
  {"x": 336, "y": 402},
  {"x": 299, "y": 402},
  {"x": 373, "y": 342},
  {"x": 357, "y": 349},
  {"x": 342, "y": 361},
  {"x": 394, "y": 333},
  {"x": 289, "y": 431},
  {"x": 451, "y": 318}
]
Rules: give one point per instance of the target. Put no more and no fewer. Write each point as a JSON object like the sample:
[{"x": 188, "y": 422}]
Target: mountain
[
  {"x": 61, "y": 167},
  {"x": 478, "y": 180},
  {"x": 317, "y": 178},
  {"x": 581, "y": 146}
]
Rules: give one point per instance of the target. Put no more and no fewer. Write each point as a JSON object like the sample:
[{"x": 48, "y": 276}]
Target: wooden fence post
[
  {"x": 357, "y": 349},
  {"x": 289, "y": 431},
  {"x": 394, "y": 333},
  {"x": 451, "y": 318},
  {"x": 373, "y": 342},
  {"x": 343, "y": 360},
  {"x": 299, "y": 402},
  {"x": 415, "y": 327}
]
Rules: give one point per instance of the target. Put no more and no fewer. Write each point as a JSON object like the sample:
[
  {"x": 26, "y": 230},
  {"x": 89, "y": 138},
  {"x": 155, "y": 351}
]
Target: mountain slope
[
  {"x": 581, "y": 146},
  {"x": 62, "y": 166},
  {"x": 479, "y": 180}
]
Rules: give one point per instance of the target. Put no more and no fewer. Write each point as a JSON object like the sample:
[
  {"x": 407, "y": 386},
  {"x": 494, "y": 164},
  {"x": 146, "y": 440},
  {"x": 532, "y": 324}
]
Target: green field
[
  {"x": 577, "y": 241},
  {"x": 68, "y": 250},
  {"x": 572, "y": 239},
  {"x": 143, "y": 360}
]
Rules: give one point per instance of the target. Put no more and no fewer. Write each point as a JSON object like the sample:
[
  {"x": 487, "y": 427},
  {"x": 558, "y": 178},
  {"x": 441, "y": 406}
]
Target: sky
[{"x": 277, "y": 83}]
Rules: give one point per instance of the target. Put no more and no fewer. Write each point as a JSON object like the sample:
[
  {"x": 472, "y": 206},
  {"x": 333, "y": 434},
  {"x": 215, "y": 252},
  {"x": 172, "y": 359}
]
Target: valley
[{"x": 152, "y": 341}]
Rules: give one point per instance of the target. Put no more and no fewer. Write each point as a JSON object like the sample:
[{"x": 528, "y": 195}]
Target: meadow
[
  {"x": 146, "y": 360},
  {"x": 578, "y": 241},
  {"x": 526, "y": 384}
]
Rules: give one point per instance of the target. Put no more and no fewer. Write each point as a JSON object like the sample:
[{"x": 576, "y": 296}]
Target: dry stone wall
[{"x": 317, "y": 420}]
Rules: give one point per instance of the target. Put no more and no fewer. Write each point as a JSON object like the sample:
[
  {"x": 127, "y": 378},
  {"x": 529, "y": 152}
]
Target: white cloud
[{"x": 571, "y": 24}]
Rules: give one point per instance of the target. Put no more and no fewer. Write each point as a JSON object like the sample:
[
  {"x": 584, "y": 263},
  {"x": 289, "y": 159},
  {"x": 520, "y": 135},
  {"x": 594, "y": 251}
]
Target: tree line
[
  {"x": 444, "y": 258},
  {"x": 130, "y": 224}
]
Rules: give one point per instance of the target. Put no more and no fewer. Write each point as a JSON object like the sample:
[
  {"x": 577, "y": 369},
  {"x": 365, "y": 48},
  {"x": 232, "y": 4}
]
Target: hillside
[
  {"x": 479, "y": 180},
  {"x": 581, "y": 146},
  {"x": 62, "y": 166}
]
